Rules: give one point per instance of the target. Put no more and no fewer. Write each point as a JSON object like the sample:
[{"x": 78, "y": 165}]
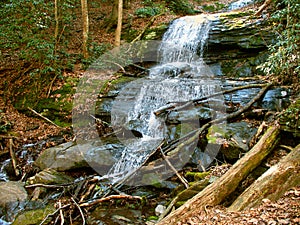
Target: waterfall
[
  {"x": 181, "y": 75},
  {"x": 185, "y": 38}
]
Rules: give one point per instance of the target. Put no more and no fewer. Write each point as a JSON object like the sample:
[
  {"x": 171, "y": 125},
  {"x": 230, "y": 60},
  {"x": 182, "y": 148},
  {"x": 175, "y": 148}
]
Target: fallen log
[
  {"x": 215, "y": 193},
  {"x": 272, "y": 184}
]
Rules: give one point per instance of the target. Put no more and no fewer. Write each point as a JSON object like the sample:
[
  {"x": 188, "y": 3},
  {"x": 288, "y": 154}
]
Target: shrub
[{"x": 284, "y": 58}]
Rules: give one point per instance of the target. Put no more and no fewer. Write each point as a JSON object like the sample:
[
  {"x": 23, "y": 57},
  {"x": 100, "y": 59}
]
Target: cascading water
[{"x": 180, "y": 76}]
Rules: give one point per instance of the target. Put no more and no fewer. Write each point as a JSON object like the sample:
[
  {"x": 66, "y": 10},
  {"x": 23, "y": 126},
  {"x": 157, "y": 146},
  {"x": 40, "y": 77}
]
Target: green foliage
[
  {"x": 180, "y": 6},
  {"x": 284, "y": 58},
  {"x": 213, "y": 7},
  {"x": 26, "y": 25},
  {"x": 148, "y": 11}
]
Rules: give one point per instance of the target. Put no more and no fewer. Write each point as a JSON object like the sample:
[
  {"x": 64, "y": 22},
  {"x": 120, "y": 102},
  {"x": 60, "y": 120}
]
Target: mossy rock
[
  {"x": 34, "y": 216},
  {"x": 57, "y": 108}
]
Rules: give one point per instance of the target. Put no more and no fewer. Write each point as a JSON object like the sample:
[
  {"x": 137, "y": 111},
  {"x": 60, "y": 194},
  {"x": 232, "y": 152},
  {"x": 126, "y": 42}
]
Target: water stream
[{"x": 181, "y": 75}]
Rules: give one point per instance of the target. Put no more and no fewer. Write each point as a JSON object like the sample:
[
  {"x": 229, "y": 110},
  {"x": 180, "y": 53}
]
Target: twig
[
  {"x": 62, "y": 219},
  {"x": 182, "y": 179},
  {"x": 13, "y": 157},
  {"x": 81, "y": 213},
  {"x": 52, "y": 214},
  {"x": 87, "y": 193},
  {"x": 45, "y": 118},
  {"x": 96, "y": 201},
  {"x": 168, "y": 209},
  {"x": 51, "y": 84},
  {"x": 117, "y": 64},
  {"x": 290, "y": 149}
]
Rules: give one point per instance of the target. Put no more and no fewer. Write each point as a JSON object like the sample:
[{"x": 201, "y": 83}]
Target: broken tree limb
[
  {"x": 111, "y": 197},
  {"x": 181, "y": 178},
  {"x": 215, "y": 193},
  {"x": 45, "y": 118},
  {"x": 263, "y": 7},
  {"x": 272, "y": 184},
  {"x": 188, "y": 103},
  {"x": 13, "y": 157}
]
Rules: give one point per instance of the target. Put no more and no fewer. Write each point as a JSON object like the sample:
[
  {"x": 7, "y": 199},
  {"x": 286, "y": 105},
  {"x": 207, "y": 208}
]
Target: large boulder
[
  {"x": 70, "y": 156},
  {"x": 233, "y": 139}
]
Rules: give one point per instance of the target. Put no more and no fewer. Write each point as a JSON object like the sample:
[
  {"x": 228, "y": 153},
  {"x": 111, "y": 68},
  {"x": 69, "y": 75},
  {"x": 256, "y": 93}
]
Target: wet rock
[
  {"x": 233, "y": 138},
  {"x": 160, "y": 209},
  {"x": 13, "y": 198},
  {"x": 116, "y": 216},
  {"x": 35, "y": 216},
  {"x": 50, "y": 176},
  {"x": 96, "y": 154},
  {"x": 193, "y": 114}
]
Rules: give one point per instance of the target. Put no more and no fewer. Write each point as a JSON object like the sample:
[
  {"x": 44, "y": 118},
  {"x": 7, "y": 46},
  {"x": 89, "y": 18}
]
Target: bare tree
[
  {"x": 85, "y": 24},
  {"x": 119, "y": 25}
]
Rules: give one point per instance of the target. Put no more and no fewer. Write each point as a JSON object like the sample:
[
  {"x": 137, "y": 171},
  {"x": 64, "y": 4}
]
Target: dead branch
[
  {"x": 62, "y": 219},
  {"x": 263, "y": 6},
  {"x": 13, "y": 157},
  {"x": 288, "y": 148},
  {"x": 45, "y": 118},
  {"x": 182, "y": 179},
  {"x": 188, "y": 103},
  {"x": 52, "y": 214},
  {"x": 80, "y": 210},
  {"x": 111, "y": 197}
]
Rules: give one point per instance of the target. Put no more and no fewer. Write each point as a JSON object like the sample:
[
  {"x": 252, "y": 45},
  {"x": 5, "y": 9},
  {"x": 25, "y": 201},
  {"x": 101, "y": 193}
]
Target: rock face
[
  {"x": 13, "y": 197},
  {"x": 237, "y": 44}
]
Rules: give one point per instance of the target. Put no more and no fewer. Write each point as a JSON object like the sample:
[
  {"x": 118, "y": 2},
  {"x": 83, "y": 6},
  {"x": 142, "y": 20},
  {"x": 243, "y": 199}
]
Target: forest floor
[{"x": 28, "y": 129}]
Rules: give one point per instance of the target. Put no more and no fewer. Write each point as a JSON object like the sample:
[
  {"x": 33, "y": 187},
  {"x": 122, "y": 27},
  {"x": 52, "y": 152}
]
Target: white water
[
  {"x": 240, "y": 4},
  {"x": 180, "y": 76}
]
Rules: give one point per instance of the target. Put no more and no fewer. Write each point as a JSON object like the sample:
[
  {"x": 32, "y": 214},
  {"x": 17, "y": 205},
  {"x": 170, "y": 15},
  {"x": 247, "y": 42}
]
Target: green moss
[
  {"x": 152, "y": 218},
  {"x": 196, "y": 175},
  {"x": 179, "y": 203},
  {"x": 34, "y": 216}
]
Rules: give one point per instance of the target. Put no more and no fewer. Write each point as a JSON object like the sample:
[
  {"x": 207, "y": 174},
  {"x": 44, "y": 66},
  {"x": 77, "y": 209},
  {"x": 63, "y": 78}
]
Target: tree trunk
[
  {"x": 272, "y": 184},
  {"x": 56, "y": 20},
  {"x": 216, "y": 192},
  {"x": 119, "y": 25},
  {"x": 85, "y": 24}
]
